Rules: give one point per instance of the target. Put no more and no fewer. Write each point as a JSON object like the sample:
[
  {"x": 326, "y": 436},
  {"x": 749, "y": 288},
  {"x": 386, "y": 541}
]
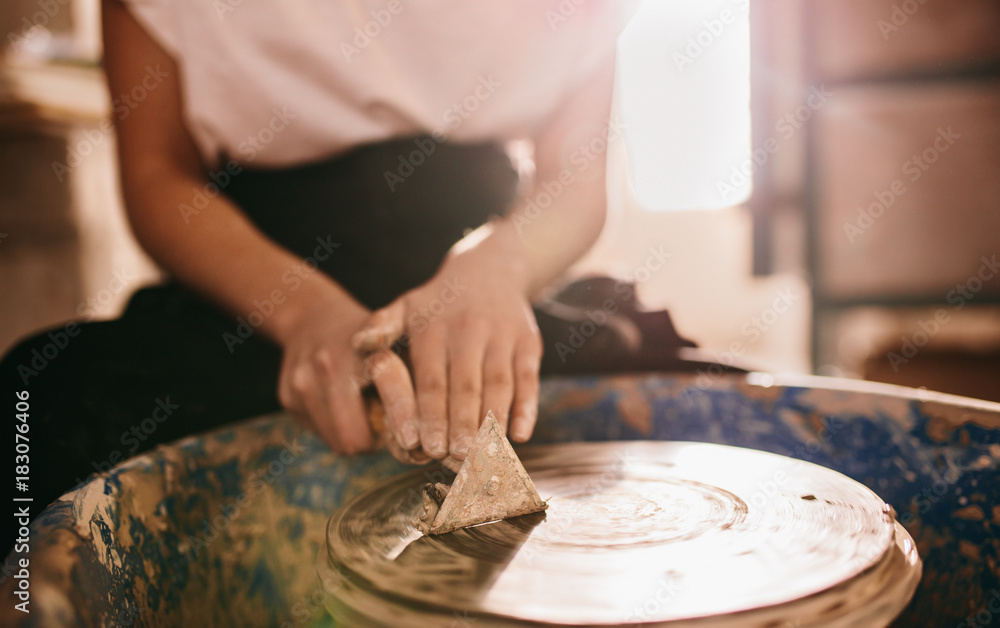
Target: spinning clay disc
[{"x": 647, "y": 533}]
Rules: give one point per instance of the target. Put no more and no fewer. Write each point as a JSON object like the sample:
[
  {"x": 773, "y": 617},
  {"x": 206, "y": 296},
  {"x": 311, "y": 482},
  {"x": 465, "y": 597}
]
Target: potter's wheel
[{"x": 650, "y": 533}]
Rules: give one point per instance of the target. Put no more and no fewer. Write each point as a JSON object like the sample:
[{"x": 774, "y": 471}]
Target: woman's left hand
[{"x": 474, "y": 347}]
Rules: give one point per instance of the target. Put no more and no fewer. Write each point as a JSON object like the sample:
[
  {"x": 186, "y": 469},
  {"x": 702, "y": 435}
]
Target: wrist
[
  {"x": 496, "y": 247},
  {"x": 516, "y": 259},
  {"x": 315, "y": 296}
]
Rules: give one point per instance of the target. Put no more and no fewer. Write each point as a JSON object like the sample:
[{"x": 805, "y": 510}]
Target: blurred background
[{"x": 821, "y": 178}]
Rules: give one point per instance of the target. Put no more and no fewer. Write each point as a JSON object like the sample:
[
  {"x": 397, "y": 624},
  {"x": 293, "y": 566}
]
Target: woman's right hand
[{"x": 322, "y": 375}]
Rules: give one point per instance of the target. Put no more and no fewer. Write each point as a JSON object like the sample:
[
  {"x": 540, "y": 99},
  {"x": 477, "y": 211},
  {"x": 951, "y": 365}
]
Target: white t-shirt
[{"x": 279, "y": 82}]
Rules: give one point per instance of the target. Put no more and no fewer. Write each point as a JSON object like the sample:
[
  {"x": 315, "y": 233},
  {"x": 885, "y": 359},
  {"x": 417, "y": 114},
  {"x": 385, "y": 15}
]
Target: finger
[
  {"x": 310, "y": 393},
  {"x": 414, "y": 457},
  {"x": 293, "y": 386},
  {"x": 498, "y": 380},
  {"x": 465, "y": 390},
  {"x": 383, "y": 328},
  {"x": 430, "y": 368},
  {"x": 337, "y": 407},
  {"x": 346, "y": 410},
  {"x": 527, "y": 360},
  {"x": 392, "y": 380},
  {"x": 386, "y": 438},
  {"x": 288, "y": 388}
]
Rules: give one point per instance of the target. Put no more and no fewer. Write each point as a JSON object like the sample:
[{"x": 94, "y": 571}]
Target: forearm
[
  {"x": 549, "y": 240},
  {"x": 218, "y": 252},
  {"x": 561, "y": 216},
  {"x": 222, "y": 255}
]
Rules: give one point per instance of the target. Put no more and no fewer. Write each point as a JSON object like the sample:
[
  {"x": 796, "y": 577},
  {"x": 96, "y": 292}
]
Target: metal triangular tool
[{"x": 491, "y": 485}]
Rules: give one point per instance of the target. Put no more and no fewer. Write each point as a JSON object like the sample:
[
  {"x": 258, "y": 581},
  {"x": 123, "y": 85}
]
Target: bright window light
[{"x": 684, "y": 75}]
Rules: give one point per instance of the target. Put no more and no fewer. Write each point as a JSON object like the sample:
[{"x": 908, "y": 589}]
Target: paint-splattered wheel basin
[
  {"x": 225, "y": 528},
  {"x": 651, "y": 533}
]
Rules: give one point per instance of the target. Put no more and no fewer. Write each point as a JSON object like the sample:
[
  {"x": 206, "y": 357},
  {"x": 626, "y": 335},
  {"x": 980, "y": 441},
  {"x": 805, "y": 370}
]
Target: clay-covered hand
[
  {"x": 474, "y": 346},
  {"x": 322, "y": 375}
]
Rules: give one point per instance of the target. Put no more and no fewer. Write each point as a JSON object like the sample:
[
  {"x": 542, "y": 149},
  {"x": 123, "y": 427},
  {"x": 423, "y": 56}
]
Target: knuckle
[
  {"x": 527, "y": 383},
  {"x": 470, "y": 326},
  {"x": 322, "y": 360},
  {"x": 300, "y": 382},
  {"x": 498, "y": 378},
  {"x": 432, "y": 427},
  {"x": 533, "y": 344},
  {"x": 431, "y": 384},
  {"x": 527, "y": 369},
  {"x": 466, "y": 386},
  {"x": 377, "y": 363},
  {"x": 396, "y": 404}
]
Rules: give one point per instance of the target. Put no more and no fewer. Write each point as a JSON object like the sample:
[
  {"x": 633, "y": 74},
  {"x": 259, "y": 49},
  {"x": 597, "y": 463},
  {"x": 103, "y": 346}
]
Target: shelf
[{"x": 36, "y": 95}]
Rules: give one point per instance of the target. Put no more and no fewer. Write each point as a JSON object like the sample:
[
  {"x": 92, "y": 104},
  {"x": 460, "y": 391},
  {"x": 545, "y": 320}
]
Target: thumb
[{"x": 384, "y": 327}]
